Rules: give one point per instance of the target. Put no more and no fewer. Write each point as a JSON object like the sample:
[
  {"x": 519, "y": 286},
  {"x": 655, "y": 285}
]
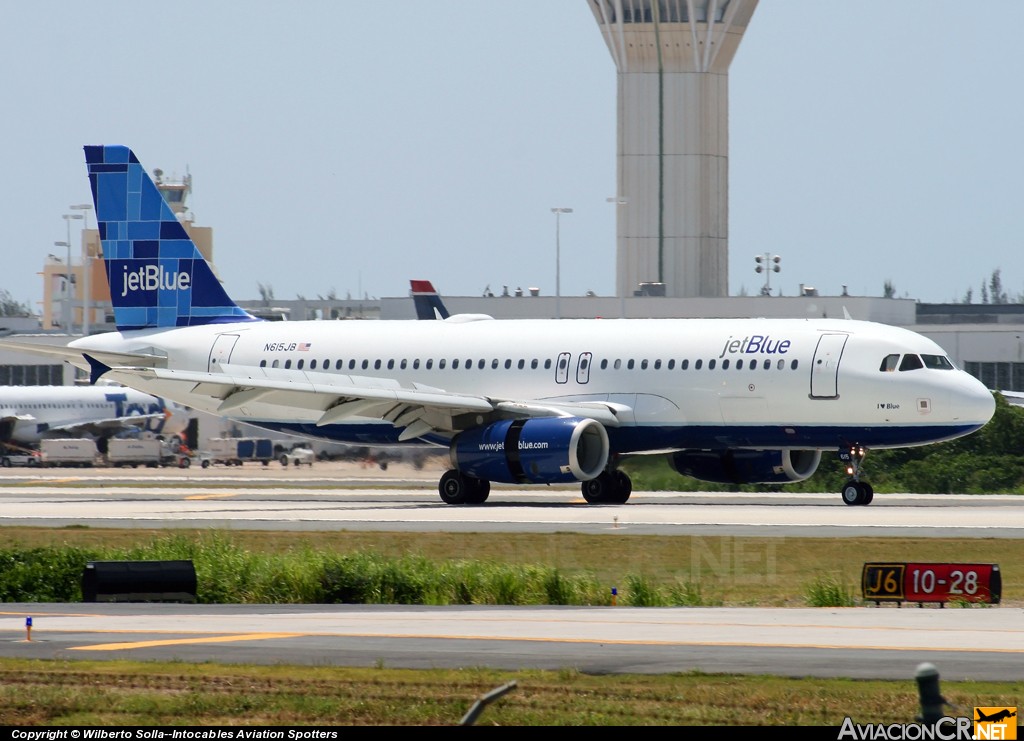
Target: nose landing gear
[{"x": 855, "y": 492}]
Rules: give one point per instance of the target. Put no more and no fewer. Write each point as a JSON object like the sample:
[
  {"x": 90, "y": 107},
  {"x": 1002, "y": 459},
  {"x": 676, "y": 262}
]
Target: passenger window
[
  {"x": 366, "y": 364},
  {"x": 440, "y": 364},
  {"x": 404, "y": 364},
  {"x": 430, "y": 363},
  {"x": 711, "y": 364},
  {"x": 684, "y": 364},
  {"x": 522, "y": 364},
  {"x": 698, "y": 364},
  {"x": 794, "y": 364},
  {"x": 630, "y": 364},
  {"x": 911, "y": 362},
  {"x": 351, "y": 364},
  {"x": 288, "y": 363},
  {"x": 455, "y": 364},
  {"x": 547, "y": 364},
  {"x": 263, "y": 364},
  {"x": 300, "y": 364},
  {"x": 494, "y": 364},
  {"x": 889, "y": 363},
  {"x": 376, "y": 364},
  {"x": 618, "y": 364},
  {"x": 481, "y": 363},
  {"x": 391, "y": 364},
  {"x": 312, "y": 364},
  {"x": 767, "y": 364},
  {"x": 725, "y": 364},
  {"x": 643, "y": 364},
  {"x": 534, "y": 364},
  {"x": 739, "y": 364},
  {"x": 416, "y": 364},
  {"x": 508, "y": 363},
  {"x": 604, "y": 364},
  {"x": 275, "y": 363},
  {"x": 782, "y": 363},
  {"x": 672, "y": 364}
]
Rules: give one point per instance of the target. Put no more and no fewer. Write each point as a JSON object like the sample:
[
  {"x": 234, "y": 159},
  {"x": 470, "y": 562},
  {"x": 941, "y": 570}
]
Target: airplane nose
[{"x": 973, "y": 402}]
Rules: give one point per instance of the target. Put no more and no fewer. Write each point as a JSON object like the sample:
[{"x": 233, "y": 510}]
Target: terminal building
[{"x": 672, "y": 62}]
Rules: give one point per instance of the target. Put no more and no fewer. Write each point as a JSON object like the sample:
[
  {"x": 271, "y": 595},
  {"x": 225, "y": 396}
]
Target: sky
[{"x": 344, "y": 147}]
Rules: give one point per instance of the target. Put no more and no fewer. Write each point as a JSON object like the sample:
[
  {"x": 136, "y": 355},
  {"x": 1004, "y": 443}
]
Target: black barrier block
[{"x": 139, "y": 581}]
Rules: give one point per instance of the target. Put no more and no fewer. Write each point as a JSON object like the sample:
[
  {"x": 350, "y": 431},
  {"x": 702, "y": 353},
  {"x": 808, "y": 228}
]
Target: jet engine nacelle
[
  {"x": 746, "y": 466},
  {"x": 543, "y": 450}
]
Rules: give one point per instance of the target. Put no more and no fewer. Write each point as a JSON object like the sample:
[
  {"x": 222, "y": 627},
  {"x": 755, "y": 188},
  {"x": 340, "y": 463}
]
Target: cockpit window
[
  {"x": 889, "y": 363},
  {"x": 937, "y": 362},
  {"x": 911, "y": 362}
]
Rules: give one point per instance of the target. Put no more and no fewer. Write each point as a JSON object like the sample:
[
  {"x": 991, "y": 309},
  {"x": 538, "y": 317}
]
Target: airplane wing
[
  {"x": 418, "y": 409},
  {"x": 99, "y": 426}
]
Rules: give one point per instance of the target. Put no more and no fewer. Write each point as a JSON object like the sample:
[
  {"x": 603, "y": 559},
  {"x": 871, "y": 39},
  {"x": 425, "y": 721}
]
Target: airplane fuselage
[
  {"x": 30, "y": 413},
  {"x": 673, "y": 383}
]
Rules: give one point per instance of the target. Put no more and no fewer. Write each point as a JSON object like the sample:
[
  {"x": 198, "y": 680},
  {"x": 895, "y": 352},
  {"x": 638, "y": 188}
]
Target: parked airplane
[
  {"x": 427, "y": 300},
  {"x": 428, "y": 304},
  {"x": 30, "y": 413},
  {"x": 517, "y": 401}
]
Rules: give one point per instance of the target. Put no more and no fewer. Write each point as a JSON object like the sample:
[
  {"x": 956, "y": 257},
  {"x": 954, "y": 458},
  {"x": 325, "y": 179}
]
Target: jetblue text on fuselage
[
  {"x": 755, "y": 344},
  {"x": 152, "y": 278}
]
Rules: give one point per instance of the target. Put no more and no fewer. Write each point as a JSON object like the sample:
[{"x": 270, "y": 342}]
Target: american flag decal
[{"x": 303, "y": 346}]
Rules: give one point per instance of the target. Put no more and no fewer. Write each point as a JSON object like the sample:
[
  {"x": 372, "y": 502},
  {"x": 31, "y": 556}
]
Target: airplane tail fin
[
  {"x": 157, "y": 275},
  {"x": 427, "y": 300}
]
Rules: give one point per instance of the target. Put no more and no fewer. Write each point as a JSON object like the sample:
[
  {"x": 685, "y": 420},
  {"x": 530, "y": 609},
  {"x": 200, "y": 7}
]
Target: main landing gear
[
  {"x": 855, "y": 492},
  {"x": 456, "y": 487},
  {"x": 609, "y": 487}
]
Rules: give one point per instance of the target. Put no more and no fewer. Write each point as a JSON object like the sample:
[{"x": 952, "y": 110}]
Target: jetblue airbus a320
[{"x": 517, "y": 401}]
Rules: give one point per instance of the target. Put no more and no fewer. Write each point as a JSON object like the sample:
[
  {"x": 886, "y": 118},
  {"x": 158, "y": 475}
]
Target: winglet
[{"x": 96, "y": 368}]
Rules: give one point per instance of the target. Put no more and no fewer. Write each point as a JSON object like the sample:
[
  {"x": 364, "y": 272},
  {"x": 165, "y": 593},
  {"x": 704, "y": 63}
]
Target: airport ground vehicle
[
  {"x": 149, "y": 452},
  {"x": 298, "y": 456},
  {"x": 234, "y": 451},
  {"x": 78, "y": 451}
]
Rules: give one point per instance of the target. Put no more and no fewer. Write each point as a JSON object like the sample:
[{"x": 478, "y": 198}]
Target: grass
[{"x": 779, "y": 572}]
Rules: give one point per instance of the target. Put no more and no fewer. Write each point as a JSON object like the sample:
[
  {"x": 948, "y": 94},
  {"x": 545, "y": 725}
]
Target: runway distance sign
[{"x": 931, "y": 582}]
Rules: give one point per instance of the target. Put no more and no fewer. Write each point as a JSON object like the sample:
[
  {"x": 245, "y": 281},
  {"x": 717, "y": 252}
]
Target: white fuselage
[
  {"x": 30, "y": 413},
  {"x": 674, "y": 382}
]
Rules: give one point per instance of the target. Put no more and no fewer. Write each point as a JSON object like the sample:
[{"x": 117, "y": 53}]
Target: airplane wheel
[
  {"x": 454, "y": 488},
  {"x": 623, "y": 487},
  {"x": 869, "y": 492},
  {"x": 856, "y": 493},
  {"x": 598, "y": 489},
  {"x": 479, "y": 490}
]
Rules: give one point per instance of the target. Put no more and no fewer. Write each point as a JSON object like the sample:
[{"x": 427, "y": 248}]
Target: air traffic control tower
[{"x": 672, "y": 221}]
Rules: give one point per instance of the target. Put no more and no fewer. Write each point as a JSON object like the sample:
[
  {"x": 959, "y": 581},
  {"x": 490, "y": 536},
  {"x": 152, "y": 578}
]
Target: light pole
[
  {"x": 86, "y": 264},
  {"x": 64, "y": 290},
  {"x": 767, "y": 264},
  {"x": 558, "y": 259},
  {"x": 67, "y": 286}
]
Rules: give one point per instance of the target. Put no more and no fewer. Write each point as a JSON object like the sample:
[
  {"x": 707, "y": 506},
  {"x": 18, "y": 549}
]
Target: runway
[
  {"x": 865, "y": 642},
  {"x": 367, "y": 499}
]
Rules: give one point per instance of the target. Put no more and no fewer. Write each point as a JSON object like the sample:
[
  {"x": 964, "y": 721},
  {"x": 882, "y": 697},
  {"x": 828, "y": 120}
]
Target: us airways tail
[
  {"x": 157, "y": 276},
  {"x": 517, "y": 401},
  {"x": 427, "y": 301}
]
